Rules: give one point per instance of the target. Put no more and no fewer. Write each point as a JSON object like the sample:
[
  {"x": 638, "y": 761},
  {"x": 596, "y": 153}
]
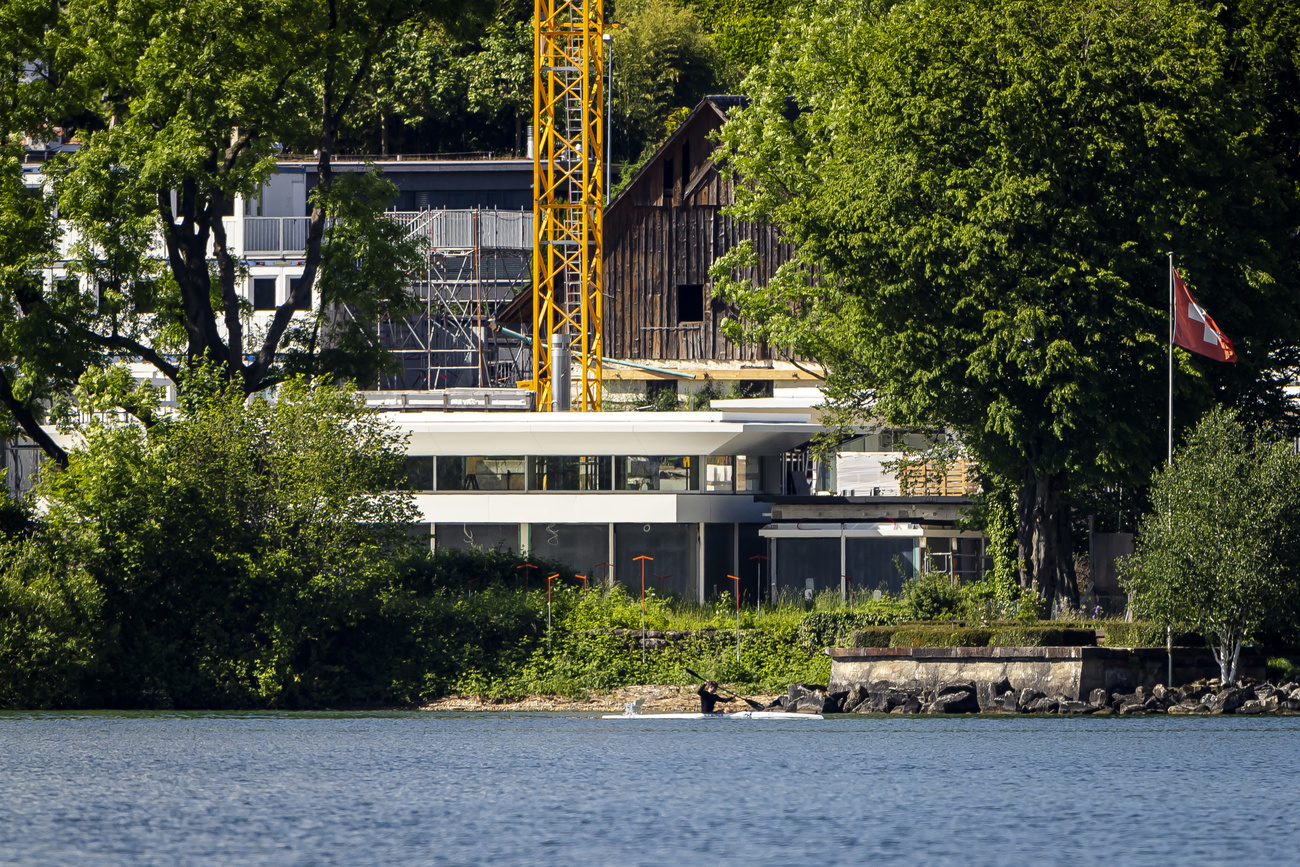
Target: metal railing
[
  {"x": 444, "y": 229},
  {"x": 275, "y": 234}
]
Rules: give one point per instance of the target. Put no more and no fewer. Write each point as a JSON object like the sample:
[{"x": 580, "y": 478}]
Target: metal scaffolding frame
[
  {"x": 568, "y": 199},
  {"x": 477, "y": 260}
]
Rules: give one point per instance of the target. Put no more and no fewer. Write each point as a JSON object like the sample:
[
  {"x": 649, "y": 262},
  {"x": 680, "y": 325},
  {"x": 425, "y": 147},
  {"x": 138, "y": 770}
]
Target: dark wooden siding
[{"x": 654, "y": 242}]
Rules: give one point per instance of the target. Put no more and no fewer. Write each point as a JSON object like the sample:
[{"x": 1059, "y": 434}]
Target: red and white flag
[{"x": 1195, "y": 330}]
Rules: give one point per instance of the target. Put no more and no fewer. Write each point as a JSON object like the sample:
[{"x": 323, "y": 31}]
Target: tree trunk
[
  {"x": 1045, "y": 547},
  {"x": 1228, "y": 653}
]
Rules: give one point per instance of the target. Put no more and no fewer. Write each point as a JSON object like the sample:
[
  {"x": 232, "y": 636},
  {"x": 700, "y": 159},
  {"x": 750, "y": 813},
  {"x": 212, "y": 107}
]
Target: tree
[
  {"x": 1217, "y": 553},
  {"x": 663, "y": 61},
  {"x": 178, "y": 108},
  {"x": 236, "y": 545},
  {"x": 982, "y": 197}
]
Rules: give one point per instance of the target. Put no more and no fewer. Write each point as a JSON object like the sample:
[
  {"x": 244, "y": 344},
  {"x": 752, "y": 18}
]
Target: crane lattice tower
[{"x": 568, "y": 200}]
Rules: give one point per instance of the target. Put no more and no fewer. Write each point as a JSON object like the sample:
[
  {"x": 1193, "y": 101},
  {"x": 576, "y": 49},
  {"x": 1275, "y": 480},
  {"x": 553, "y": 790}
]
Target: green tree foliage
[
  {"x": 178, "y": 108},
  {"x": 982, "y": 197},
  {"x": 743, "y": 33},
  {"x": 663, "y": 61},
  {"x": 1217, "y": 553},
  {"x": 237, "y": 547}
]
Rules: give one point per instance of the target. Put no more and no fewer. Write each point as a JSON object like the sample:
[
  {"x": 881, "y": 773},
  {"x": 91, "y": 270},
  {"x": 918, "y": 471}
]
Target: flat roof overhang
[{"x": 602, "y": 433}]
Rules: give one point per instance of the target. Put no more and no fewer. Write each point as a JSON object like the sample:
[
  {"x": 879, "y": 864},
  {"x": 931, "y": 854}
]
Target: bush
[{"x": 931, "y": 596}]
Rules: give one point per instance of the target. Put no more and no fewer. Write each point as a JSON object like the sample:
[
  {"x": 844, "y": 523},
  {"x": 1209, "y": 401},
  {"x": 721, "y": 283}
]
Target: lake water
[{"x": 121, "y": 788}]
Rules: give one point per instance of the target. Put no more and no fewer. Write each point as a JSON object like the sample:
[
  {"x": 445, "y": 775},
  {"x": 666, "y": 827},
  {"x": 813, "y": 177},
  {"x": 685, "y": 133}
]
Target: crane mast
[{"x": 568, "y": 202}]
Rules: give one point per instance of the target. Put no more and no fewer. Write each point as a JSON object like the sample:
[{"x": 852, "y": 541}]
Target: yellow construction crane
[{"x": 568, "y": 201}]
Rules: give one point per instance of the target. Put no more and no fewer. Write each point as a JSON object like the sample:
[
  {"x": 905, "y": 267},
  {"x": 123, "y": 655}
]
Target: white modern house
[{"x": 705, "y": 495}]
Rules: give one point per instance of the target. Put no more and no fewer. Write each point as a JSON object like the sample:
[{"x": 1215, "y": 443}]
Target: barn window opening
[
  {"x": 690, "y": 302},
  {"x": 669, "y": 179}
]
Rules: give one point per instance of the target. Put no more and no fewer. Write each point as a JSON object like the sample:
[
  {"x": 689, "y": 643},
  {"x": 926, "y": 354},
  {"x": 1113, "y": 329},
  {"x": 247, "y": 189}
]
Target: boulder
[
  {"x": 1075, "y": 707},
  {"x": 1106, "y": 710},
  {"x": 1141, "y": 694},
  {"x": 835, "y": 702},
  {"x": 1291, "y": 704},
  {"x": 911, "y": 705},
  {"x": 990, "y": 694},
  {"x": 812, "y": 702},
  {"x": 951, "y": 687},
  {"x": 1185, "y": 707},
  {"x": 858, "y": 693},
  {"x": 1027, "y": 697},
  {"x": 778, "y": 703},
  {"x": 1131, "y": 708},
  {"x": 962, "y": 701},
  {"x": 1192, "y": 692},
  {"x": 1009, "y": 702},
  {"x": 1295, "y": 694},
  {"x": 1228, "y": 700},
  {"x": 1043, "y": 705},
  {"x": 1118, "y": 700},
  {"x": 1098, "y": 698},
  {"x": 1252, "y": 706},
  {"x": 1159, "y": 691}
]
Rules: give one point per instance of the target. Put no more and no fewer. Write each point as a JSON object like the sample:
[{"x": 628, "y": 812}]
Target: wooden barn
[{"x": 663, "y": 232}]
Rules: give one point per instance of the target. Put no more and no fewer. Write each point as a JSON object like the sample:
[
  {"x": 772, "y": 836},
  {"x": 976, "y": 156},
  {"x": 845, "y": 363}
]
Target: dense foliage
[
  {"x": 1218, "y": 552},
  {"x": 983, "y": 196}
]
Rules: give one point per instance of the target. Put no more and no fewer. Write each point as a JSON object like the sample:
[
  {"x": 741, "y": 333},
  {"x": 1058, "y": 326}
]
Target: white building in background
[{"x": 707, "y": 495}]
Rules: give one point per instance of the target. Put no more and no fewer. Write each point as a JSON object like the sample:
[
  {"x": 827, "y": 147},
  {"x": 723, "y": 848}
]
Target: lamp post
[
  {"x": 737, "y": 580},
  {"x": 643, "y": 558}
]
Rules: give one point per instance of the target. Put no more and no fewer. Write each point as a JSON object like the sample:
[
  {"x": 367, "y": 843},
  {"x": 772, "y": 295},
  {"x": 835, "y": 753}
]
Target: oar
[{"x": 749, "y": 701}]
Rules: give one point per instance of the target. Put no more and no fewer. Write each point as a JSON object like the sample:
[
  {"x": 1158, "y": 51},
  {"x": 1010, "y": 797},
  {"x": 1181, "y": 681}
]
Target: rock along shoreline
[{"x": 1205, "y": 698}]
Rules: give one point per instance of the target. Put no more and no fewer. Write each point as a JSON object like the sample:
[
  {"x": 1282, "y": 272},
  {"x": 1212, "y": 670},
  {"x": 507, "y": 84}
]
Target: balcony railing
[
  {"x": 443, "y": 229},
  {"x": 275, "y": 234}
]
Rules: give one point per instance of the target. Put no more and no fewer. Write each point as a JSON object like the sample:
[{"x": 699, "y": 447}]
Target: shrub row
[
  {"x": 1143, "y": 633},
  {"x": 956, "y": 635}
]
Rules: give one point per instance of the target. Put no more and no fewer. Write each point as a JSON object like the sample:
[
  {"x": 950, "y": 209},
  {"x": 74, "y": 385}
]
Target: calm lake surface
[{"x": 169, "y": 788}]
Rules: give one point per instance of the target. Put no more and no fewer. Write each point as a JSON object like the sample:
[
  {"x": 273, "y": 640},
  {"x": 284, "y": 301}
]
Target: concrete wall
[{"x": 1064, "y": 672}]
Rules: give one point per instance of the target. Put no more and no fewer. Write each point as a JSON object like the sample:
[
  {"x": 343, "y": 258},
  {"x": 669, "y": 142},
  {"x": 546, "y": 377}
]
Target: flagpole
[
  {"x": 1169, "y": 633},
  {"x": 1170, "y": 457}
]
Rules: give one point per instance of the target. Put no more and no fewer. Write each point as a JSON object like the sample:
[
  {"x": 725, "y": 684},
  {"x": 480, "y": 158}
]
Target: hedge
[
  {"x": 940, "y": 636},
  {"x": 1143, "y": 633},
  {"x": 1025, "y": 635}
]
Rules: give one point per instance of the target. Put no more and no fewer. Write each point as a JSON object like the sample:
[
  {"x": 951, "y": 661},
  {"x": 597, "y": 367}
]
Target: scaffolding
[
  {"x": 476, "y": 261},
  {"x": 568, "y": 201}
]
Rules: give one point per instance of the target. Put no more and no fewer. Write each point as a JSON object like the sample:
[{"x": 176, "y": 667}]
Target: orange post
[
  {"x": 525, "y": 566},
  {"x": 584, "y": 582},
  {"x": 549, "y": 579},
  {"x": 643, "y": 558}
]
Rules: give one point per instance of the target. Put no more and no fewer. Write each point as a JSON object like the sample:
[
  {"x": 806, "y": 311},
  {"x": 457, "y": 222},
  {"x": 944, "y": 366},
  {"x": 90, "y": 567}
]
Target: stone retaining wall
[{"x": 1069, "y": 672}]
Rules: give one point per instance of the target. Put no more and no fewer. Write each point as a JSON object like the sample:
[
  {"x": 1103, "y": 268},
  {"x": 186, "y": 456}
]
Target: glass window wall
[
  {"x": 570, "y": 473},
  {"x": 481, "y": 473},
  {"x": 719, "y": 473},
  {"x": 657, "y": 473}
]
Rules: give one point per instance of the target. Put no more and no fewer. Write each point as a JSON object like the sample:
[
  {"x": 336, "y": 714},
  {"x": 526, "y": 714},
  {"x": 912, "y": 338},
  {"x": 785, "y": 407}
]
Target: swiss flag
[{"x": 1195, "y": 330}]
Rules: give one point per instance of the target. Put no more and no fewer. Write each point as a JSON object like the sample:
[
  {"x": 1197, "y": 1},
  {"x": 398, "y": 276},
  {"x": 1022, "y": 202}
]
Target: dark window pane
[
  {"x": 419, "y": 473},
  {"x": 673, "y": 571},
  {"x": 264, "y": 293},
  {"x": 305, "y": 303},
  {"x": 485, "y": 536}
]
